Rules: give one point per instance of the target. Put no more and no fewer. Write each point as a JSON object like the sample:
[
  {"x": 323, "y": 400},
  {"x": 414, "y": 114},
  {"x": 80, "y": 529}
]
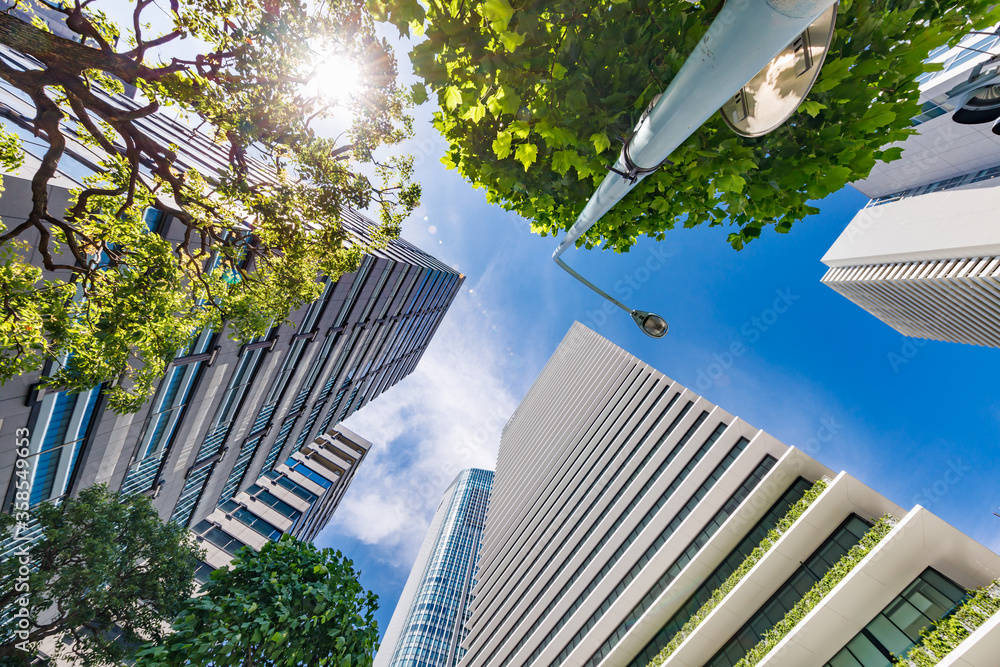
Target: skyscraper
[
  {"x": 429, "y": 623},
  {"x": 224, "y": 414},
  {"x": 634, "y": 523},
  {"x": 924, "y": 255},
  {"x": 297, "y": 497}
]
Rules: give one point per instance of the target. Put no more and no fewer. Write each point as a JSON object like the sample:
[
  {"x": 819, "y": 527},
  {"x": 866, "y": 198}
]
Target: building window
[
  {"x": 788, "y": 595},
  {"x": 722, "y": 572},
  {"x": 239, "y": 383},
  {"x": 194, "y": 485},
  {"x": 246, "y": 454},
  {"x": 986, "y": 175},
  {"x": 248, "y": 518},
  {"x": 170, "y": 404},
  {"x": 897, "y": 628},
  {"x": 308, "y": 425},
  {"x": 285, "y": 483},
  {"x": 154, "y": 219},
  {"x": 968, "y": 52},
  {"x": 307, "y": 472},
  {"x": 57, "y": 440},
  {"x": 203, "y": 572},
  {"x": 946, "y": 184},
  {"x": 220, "y": 538},
  {"x": 279, "y": 443},
  {"x": 929, "y": 110},
  {"x": 274, "y": 502}
]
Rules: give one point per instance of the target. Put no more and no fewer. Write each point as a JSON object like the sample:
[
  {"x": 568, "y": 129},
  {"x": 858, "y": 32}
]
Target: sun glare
[{"x": 338, "y": 78}]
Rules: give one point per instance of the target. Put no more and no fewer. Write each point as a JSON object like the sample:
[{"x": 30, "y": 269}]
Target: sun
[{"x": 338, "y": 77}]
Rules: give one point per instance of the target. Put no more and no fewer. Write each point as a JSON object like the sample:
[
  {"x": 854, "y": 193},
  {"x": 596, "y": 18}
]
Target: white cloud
[{"x": 443, "y": 418}]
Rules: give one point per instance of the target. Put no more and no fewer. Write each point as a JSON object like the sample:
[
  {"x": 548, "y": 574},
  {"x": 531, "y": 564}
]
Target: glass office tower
[{"x": 428, "y": 626}]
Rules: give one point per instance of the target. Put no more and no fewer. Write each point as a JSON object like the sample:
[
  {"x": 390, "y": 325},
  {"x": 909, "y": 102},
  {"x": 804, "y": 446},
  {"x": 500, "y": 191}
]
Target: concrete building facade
[
  {"x": 924, "y": 255},
  {"x": 630, "y": 524},
  {"x": 429, "y": 623}
]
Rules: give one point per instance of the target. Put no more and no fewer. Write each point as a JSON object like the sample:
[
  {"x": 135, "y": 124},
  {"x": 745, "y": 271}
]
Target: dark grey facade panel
[{"x": 184, "y": 445}]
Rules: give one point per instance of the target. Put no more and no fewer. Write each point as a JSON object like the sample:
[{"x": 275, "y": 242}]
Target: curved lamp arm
[{"x": 651, "y": 324}]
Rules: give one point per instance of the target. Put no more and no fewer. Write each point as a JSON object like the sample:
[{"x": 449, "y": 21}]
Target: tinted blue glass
[
  {"x": 435, "y": 616},
  {"x": 303, "y": 469}
]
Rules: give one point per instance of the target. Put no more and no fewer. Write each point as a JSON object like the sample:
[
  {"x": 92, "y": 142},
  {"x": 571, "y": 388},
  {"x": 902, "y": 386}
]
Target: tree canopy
[
  {"x": 111, "y": 302},
  {"x": 291, "y": 604},
  {"x": 106, "y": 575},
  {"x": 534, "y": 95}
]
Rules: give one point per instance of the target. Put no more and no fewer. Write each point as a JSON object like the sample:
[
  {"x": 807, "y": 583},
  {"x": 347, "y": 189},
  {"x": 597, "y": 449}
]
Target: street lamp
[
  {"x": 756, "y": 63},
  {"x": 651, "y": 324}
]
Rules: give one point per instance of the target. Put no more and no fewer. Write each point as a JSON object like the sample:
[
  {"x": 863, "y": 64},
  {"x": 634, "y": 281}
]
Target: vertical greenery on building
[
  {"x": 755, "y": 556},
  {"x": 949, "y": 632},
  {"x": 819, "y": 591}
]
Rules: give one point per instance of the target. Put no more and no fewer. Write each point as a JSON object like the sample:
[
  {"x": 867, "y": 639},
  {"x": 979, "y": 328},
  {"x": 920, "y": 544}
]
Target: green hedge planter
[
  {"x": 816, "y": 594},
  {"x": 729, "y": 584},
  {"x": 951, "y": 631}
]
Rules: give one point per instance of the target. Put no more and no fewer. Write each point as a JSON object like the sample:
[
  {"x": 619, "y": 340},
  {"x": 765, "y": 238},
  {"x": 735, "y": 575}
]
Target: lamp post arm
[{"x": 566, "y": 267}]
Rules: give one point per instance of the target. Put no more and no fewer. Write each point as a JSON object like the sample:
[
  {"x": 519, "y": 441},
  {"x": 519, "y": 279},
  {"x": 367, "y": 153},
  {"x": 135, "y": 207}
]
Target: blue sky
[{"x": 916, "y": 420}]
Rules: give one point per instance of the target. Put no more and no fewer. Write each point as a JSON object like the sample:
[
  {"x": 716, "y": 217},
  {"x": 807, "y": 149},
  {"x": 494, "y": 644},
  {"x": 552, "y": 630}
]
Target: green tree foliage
[
  {"x": 291, "y": 604},
  {"x": 534, "y": 95},
  {"x": 111, "y": 303},
  {"x": 106, "y": 575}
]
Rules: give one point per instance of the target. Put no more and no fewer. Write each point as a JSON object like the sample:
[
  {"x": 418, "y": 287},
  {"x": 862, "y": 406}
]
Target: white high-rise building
[
  {"x": 924, "y": 255},
  {"x": 634, "y": 523}
]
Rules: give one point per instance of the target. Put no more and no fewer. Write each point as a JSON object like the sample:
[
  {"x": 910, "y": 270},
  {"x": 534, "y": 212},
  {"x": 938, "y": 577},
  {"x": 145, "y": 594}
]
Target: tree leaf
[
  {"x": 511, "y": 40},
  {"x": 526, "y": 154},
  {"x": 563, "y": 160},
  {"x": 498, "y": 13},
  {"x": 520, "y": 129},
  {"x": 418, "y": 93},
  {"x": 510, "y": 100},
  {"x": 501, "y": 145},
  {"x": 811, "y": 107},
  {"x": 570, "y": 85},
  {"x": 600, "y": 141},
  {"x": 452, "y": 97},
  {"x": 874, "y": 122},
  {"x": 730, "y": 183},
  {"x": 475, "y": 113}
]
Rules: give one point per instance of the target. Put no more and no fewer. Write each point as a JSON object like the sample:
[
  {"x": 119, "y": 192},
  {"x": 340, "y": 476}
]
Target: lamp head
[{"x": 652, "y": 325}]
